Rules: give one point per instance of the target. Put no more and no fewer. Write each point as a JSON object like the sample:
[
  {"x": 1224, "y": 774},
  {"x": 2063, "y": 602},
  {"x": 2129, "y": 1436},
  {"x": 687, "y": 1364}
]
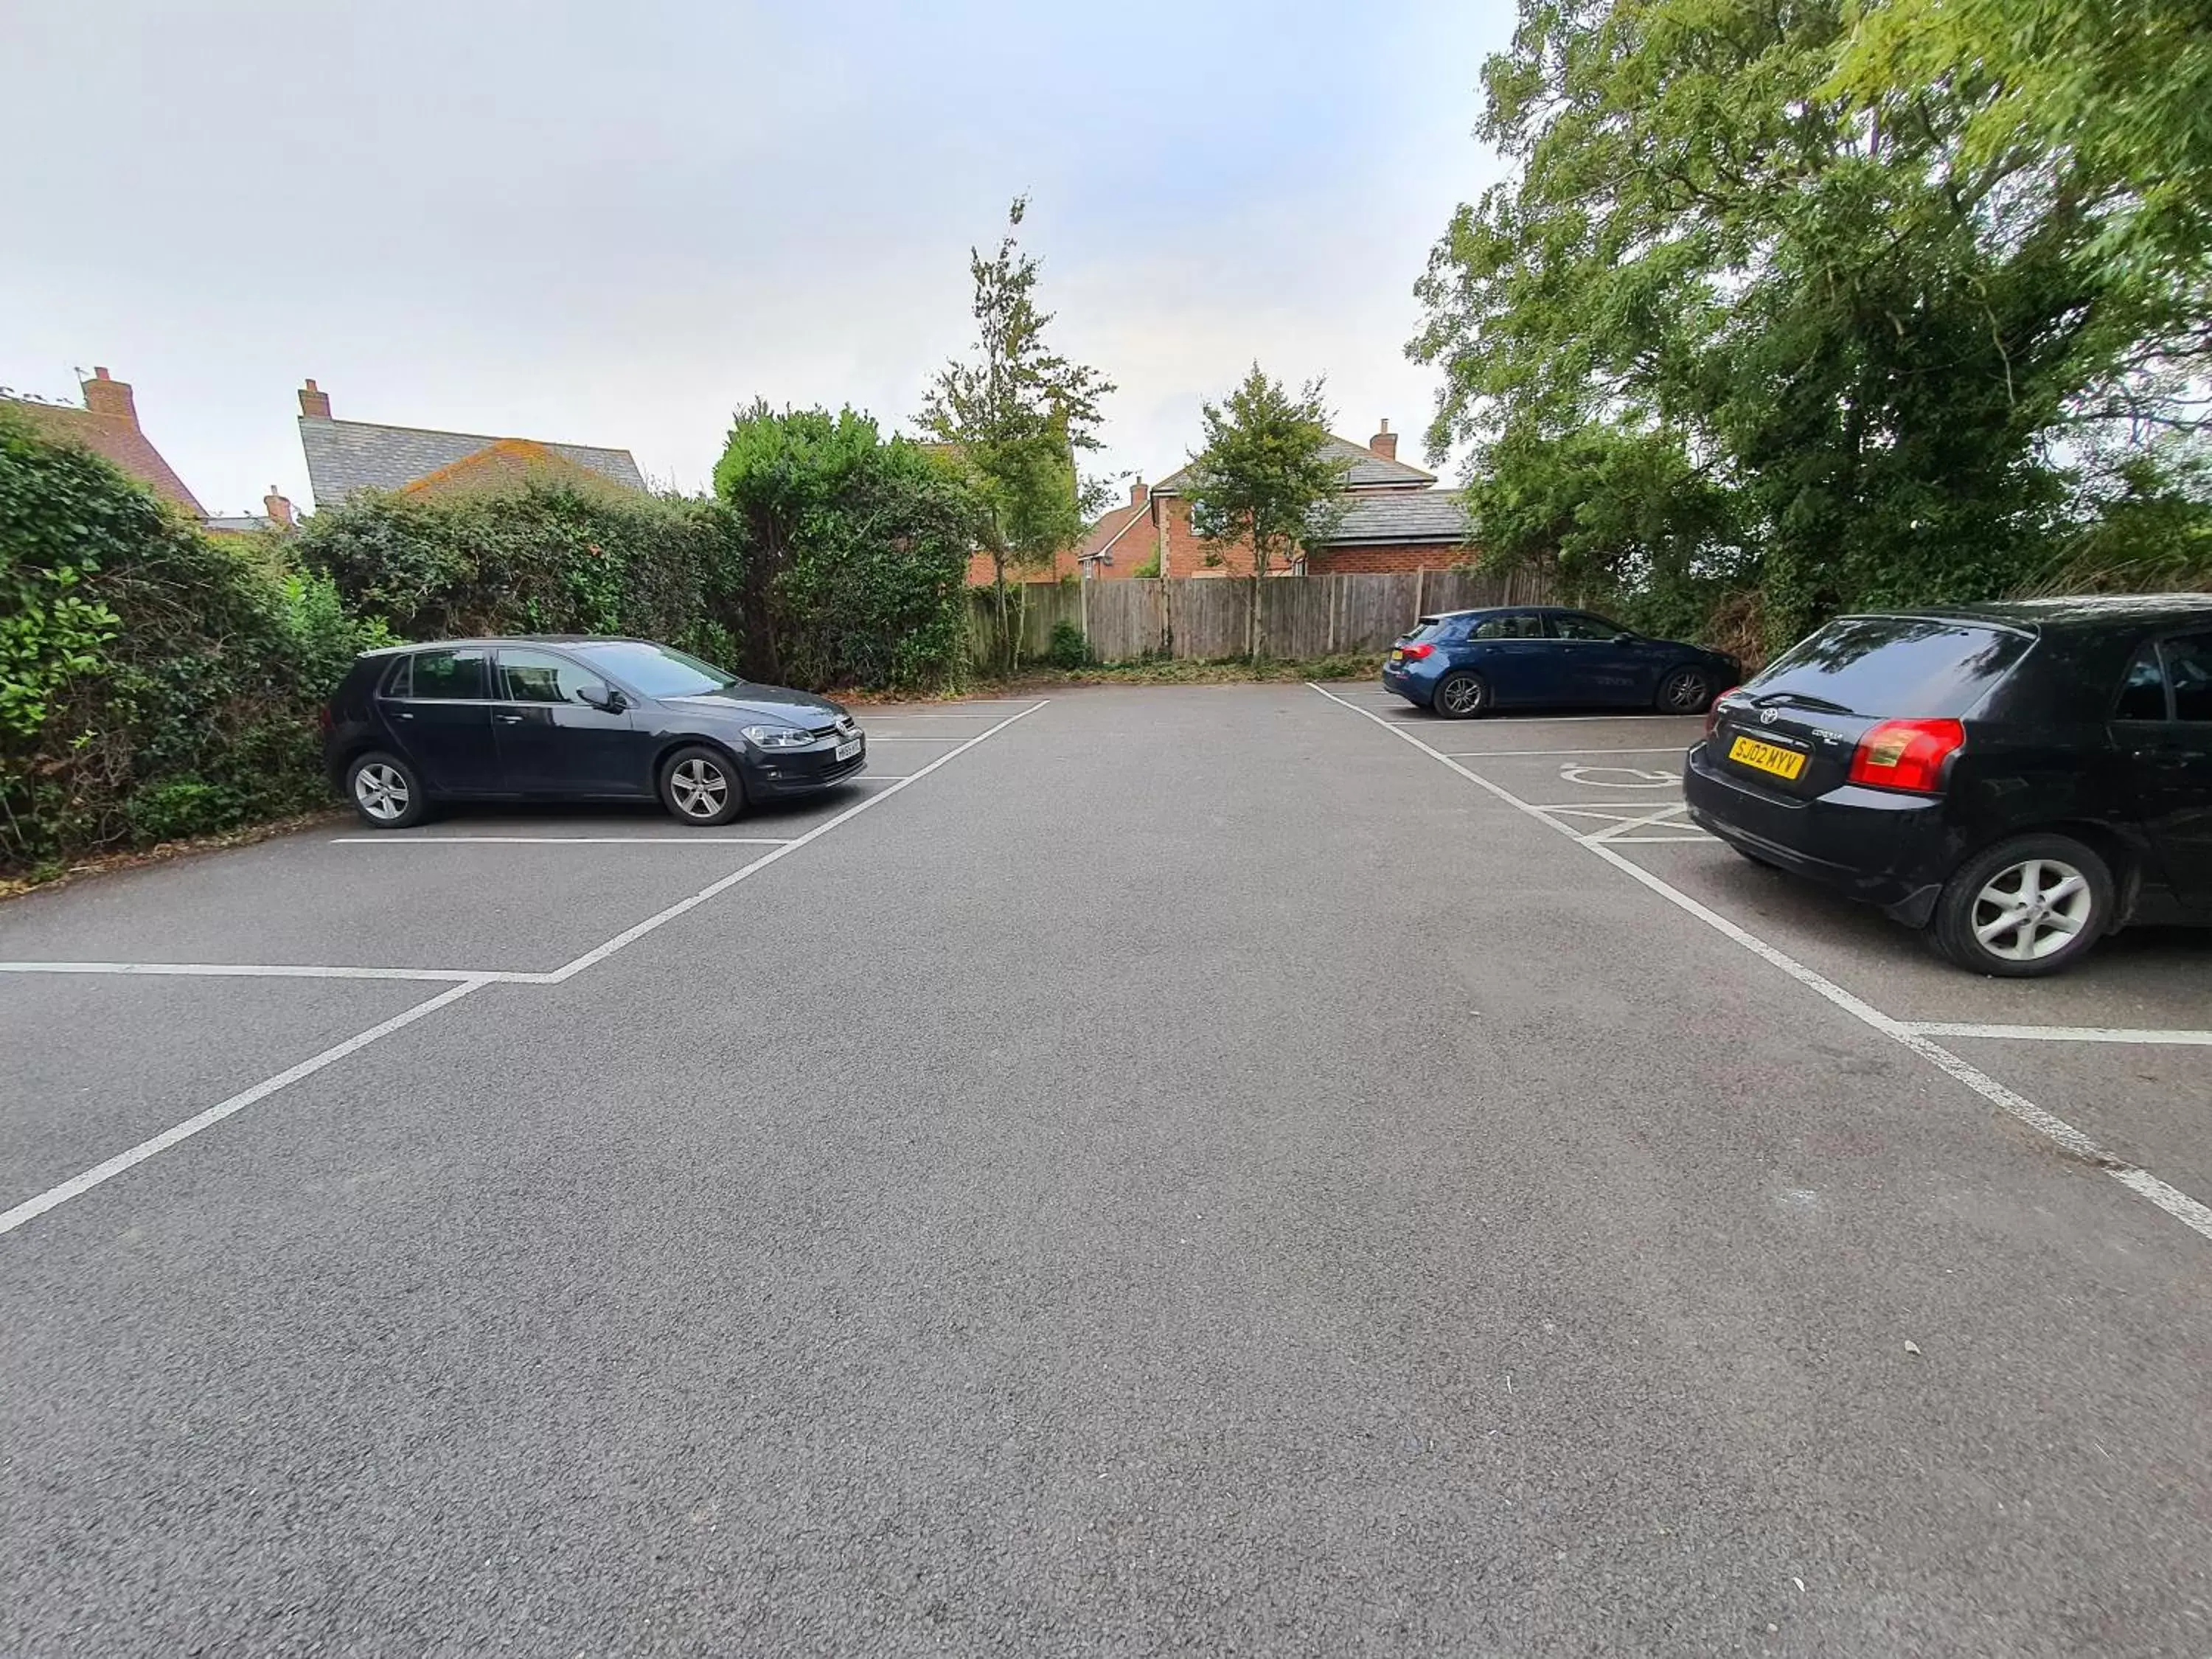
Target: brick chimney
[
  {"x": 278, "y": 509},
  {"x": 314, "y": 402},
  {"x": 1139, "y": 494},
  {"x": 103, "y": 396},
  {"x": 1383, "y": 443}
]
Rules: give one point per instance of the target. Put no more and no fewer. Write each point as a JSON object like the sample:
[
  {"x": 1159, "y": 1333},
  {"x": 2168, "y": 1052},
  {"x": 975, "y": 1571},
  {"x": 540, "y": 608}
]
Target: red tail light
[
  {"x": 323, "y": 719},
  {"x": 1415, "y": 653},
  {"x": 1713, "y": 709},
  {"x": 1907, "y": 754}
]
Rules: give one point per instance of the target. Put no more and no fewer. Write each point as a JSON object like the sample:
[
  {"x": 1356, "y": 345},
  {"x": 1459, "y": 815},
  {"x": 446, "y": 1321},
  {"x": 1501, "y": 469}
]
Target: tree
[
  {"x": 1871, "y": 351},
  {"x": 1014, "y": 417},
  {"x": 853, "y": 549},
  {"x": 1263, "y": 482}
]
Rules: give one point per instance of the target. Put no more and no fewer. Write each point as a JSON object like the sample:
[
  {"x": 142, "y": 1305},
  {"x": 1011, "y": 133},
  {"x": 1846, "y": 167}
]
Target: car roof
[
  {"x": 1501, "y": 610},
  {"x": 2080, "y": 613},
  {"x": 507, "y": 639}
]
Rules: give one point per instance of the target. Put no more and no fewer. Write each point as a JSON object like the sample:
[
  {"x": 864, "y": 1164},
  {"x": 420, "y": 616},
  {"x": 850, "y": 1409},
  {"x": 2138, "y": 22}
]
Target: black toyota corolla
[
  {"x": 2017, "y": 779},
  {"x": 563, "y": 717}
]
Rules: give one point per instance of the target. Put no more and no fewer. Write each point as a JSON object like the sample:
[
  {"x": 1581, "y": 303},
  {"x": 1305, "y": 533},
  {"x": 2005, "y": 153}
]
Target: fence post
[
  {"x": 1082, "y": 606},
  {"x": 1420, "y": 585},
  {"x": 1335, "y": 588}
]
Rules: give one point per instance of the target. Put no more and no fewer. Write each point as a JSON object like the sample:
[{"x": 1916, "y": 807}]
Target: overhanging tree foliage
[
  {"x": 1262, "y": 482},
  {"x": 1015, "y": 416},
  {"x": 1749, "y": 331}
]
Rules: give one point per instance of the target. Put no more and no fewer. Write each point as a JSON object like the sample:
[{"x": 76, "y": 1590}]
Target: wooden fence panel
[{"x": 1126, "y": 620}]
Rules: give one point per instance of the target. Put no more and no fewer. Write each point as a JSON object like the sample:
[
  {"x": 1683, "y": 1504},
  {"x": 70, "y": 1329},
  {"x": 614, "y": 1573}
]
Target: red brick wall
[{"x": 1341, "y": 561}]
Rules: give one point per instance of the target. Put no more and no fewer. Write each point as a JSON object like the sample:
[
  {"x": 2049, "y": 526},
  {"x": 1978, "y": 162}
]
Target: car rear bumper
[
  {"x": 1874, "y": 845},
  {"x": 1410, "y": 683}
]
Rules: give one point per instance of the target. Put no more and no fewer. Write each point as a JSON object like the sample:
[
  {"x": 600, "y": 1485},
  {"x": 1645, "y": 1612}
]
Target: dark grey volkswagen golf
[{"x": 573, "y": 718}]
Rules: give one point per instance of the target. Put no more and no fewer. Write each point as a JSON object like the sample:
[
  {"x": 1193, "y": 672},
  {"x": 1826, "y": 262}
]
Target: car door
[
  {"x": 1510, "y": 650},
  {"x": 561, "y": 730},
  {"x": 2163, "y": 724},
  {"x": 1593, "y": 664},
  {"x": 436, "y": 705}
]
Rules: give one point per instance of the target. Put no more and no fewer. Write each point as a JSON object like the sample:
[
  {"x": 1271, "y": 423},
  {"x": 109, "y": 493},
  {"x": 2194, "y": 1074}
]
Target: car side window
[
  {"x": 542, "y": 677},
  {"x": 2189, "y": 676},
  {"x": 397, "y": 677},
  {"x": 1579, "y": 627},
  {"x": 2142, "y": 689},
  {"x": 448, "y": 675},
  {"x": 1522, "y": 627}
]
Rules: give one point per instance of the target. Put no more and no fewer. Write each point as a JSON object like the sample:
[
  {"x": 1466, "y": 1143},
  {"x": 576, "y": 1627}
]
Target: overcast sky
[{"x": 614, "y": 224}]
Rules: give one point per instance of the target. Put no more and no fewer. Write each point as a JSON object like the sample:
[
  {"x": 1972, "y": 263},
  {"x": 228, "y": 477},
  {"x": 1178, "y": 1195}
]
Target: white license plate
[{"x": 846, "y": 750}]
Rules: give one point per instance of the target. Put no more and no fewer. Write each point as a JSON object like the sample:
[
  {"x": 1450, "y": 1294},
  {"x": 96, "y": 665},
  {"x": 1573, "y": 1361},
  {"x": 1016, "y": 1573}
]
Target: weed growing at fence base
[{"x": 1161, "y": 670}]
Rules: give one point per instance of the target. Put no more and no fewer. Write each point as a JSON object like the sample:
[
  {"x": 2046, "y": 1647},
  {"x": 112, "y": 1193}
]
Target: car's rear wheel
[
  {"x": 386, "y": 791},
  {"x": 2027, "y": 906},
  {"x": 1685, "y": 691},
  {"x": 701, "y": 785},
  {"x": 1460, "y": 695}
]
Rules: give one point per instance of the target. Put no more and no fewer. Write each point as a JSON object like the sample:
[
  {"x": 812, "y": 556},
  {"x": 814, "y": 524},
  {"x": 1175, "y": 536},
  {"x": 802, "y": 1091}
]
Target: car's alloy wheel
[
  {"x": 2027, "y": 906},
  {"x": 701, "y": 788},
  {"x": 386, "y": 792},
  {"x": 1685, "y": 691},
  {"x": 2030, "y": 909},
  {"x": 1460, "y": 695},
  {"x": 382, "y": 792}
]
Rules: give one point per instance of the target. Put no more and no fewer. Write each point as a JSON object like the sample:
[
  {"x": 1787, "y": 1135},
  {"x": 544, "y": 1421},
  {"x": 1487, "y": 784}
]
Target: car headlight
[{"x": 779, "y": 737}]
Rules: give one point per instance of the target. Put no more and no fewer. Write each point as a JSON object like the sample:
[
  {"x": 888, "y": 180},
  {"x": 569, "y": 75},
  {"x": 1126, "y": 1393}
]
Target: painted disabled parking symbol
[{"x": 1617, "y": 777}]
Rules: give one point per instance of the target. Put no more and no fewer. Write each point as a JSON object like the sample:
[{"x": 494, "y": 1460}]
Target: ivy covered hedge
[
  {"x": 157, "y": 683},
  {"x": 154, "y": 682}
]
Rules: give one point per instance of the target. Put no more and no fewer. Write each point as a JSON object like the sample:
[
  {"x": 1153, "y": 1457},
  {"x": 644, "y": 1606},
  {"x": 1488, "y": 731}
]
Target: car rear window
[
  {"x": 1429, "y": 628},
  {"x": 1896, "y": 666}
]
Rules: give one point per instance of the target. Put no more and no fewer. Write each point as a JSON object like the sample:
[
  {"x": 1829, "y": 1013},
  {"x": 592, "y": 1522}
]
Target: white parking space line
[
  {"x": 897, "y": 737},
  {"x": 1538, "y": 754},
  {"x": 274, "y": 970},
  {"x": 388, "y": 839},
  {"x": 79, "y": 1184},
  {"x": 895, "y": 777},
  {"x": 1646, "y": 822},
  {"x": 2179, "y": 1204},
  {"x": 1659, "y": 841},
  {"x": 83, "y": 1182},
  {"x": 2063, "y": 1034}
]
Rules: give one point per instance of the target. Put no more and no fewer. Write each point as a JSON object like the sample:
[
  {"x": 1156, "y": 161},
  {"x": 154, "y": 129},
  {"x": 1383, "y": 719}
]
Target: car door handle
[{"x": 508, "y": 719}]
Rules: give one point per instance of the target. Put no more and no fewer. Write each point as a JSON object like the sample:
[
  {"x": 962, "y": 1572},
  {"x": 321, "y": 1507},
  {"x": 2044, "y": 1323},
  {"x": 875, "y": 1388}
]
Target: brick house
[
  {"x": 346, "y": 456},
  {"x": 107, "y": 425},
  {"x": 1395, "y": 519}
]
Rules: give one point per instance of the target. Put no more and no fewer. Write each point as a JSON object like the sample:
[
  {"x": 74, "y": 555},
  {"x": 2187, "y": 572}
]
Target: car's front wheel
[
  {"x": 386, "y": 791},
  {"x": 2027, "y": 906},
  {"x": 1460, "y": 695},
  {"x": 701, "y": 785},
  {"x": 1685, "y": 691}
]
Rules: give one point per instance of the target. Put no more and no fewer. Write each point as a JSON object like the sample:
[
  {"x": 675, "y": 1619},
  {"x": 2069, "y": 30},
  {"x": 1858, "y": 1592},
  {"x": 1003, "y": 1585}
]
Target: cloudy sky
[{"x": 614, "y": 224}]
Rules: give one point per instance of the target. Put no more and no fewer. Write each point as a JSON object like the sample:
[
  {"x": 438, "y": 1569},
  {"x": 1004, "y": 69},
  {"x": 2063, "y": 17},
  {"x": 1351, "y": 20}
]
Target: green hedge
[{"x": 155, "y": 682}]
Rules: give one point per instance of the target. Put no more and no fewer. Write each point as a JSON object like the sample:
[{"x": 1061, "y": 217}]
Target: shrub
[
  {"x": 154, "y": 682},
  {"x": 1068, "y": 648}
]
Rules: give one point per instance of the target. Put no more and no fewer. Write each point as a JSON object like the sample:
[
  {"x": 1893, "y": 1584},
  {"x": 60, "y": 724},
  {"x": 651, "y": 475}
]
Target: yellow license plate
[{"x": 1767, "y": 757}]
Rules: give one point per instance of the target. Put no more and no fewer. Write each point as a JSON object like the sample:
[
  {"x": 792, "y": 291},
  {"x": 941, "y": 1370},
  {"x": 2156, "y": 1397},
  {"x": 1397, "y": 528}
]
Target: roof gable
[
  {"x": 115, "y": 441},
  {"x": 346, "y": 456},
  {"x": 1364, "y": 469}
]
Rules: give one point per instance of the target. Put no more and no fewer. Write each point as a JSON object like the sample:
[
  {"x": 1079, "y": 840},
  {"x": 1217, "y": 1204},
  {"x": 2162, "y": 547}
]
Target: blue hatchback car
[{"x": 1463, "y": 663}]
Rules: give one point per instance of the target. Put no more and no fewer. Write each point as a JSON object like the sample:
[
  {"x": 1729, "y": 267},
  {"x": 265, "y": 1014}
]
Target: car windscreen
[
  {"x": 1902, "y": 667},
  {"x": 655, "y": 669}
]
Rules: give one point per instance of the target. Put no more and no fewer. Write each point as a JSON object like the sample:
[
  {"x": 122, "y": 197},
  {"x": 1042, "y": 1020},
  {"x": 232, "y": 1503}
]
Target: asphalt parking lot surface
[{"x": 1205, "y": 1169}]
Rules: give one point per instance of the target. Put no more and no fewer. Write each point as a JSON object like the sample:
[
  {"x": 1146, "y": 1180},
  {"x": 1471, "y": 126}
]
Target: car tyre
[
  {"x": 1685, "y": 691},
  {"x": 386, "y": 791},
  {"x": 1461, "y": 695},
  {"x": 2024, "y": 908},
  {"x": 701, "y": 785}
]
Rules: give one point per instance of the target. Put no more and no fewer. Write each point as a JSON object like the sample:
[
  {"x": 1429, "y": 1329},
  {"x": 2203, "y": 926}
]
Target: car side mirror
[
  {"x": 1623, "y": 638},
  {"x": 609, "y": 701}
]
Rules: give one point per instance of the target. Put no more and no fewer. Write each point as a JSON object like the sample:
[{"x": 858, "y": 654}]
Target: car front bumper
[
  {"x": 770, "y": 773},
  {"x": 1884, "y": 848}
]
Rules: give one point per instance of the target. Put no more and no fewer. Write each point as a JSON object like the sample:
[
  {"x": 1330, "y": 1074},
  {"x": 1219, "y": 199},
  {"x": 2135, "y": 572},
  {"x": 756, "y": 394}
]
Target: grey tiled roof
[
  {"x": 1367, "y": 470},
  {"x": 1403, "y": 516},
  {"x": 343, "y": 456}
]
